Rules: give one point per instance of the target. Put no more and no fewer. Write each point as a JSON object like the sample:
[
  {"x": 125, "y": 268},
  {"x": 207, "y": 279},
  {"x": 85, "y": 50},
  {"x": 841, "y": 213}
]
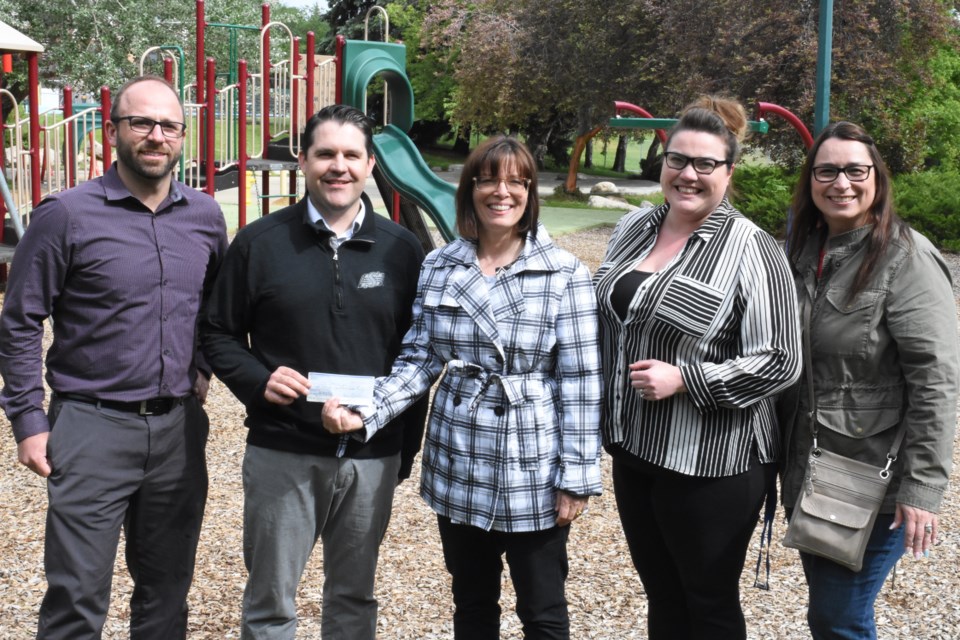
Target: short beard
[{"x": 128, "y": 157}]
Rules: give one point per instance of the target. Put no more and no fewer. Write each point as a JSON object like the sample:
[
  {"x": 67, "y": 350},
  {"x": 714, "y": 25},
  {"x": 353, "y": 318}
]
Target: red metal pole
[
  {"x": 309, "y": 103},
  {"x": 105, "y": 107},
  {"x": 201, "y": 46},
  {"x": 764, "y": 108},
  {"x": 69, "y": 155},
  {"x": 341, "y": 45},
  {"x": 211, "y": 124},
  {"x": 33, "y": 84},
  {"x": 242, "y": 144},
  {"x": 620, "y": 105},
  {"x": 265, "y": 101},
  {"x": 168, "y": 71},
  {"x": 295, "y": 107}
]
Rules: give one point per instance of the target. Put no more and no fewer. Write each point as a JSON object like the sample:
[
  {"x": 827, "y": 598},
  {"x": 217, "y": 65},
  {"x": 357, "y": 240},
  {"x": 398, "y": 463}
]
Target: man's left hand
[{"x": 201, "y": 387}]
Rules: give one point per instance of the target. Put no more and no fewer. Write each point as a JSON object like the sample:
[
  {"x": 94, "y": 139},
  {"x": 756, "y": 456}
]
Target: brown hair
[
  {"x": 723, "y": 117},
  {"x": 807, "y": 218},
  {"x": 488, "y": 159}
]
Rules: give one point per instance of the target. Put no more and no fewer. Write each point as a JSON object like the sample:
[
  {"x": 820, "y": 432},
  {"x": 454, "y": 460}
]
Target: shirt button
[
  {"x": 166, "y": 352},
  {"x": 498, "y": 411},
  {"x": 457, "y": 400}
]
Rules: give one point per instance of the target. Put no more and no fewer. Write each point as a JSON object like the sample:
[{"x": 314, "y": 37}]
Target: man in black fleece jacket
[{"x": 325, "y": 285}]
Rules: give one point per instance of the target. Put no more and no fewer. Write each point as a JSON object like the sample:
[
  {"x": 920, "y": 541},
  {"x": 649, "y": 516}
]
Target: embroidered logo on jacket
[{"x": 371, "y": 280}]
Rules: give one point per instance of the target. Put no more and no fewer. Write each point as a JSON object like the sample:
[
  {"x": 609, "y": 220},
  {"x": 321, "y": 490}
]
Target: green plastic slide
[{"x": 405, "y": 170}]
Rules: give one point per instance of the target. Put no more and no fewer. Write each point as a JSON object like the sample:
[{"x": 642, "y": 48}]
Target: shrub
[
  {"x": 930, "y": 202},
  {"x": 762, "y": 193}
]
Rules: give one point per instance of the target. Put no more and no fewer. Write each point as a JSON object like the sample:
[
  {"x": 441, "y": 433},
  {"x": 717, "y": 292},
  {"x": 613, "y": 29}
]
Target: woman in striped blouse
[{"x": 699, "y": 330}]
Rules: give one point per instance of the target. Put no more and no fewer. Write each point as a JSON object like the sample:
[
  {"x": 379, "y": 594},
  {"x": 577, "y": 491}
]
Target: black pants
[
  {"x": 538, "y": 567},
  {"x": 688, "y": 538}
]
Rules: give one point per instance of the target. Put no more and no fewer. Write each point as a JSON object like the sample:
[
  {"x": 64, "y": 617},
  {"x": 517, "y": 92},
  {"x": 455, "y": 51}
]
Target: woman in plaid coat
[{"x": 512, "y": 447}]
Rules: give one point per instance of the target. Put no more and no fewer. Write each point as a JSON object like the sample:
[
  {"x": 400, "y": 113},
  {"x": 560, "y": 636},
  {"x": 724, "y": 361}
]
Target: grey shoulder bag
[{"x": 841, "y": 497}]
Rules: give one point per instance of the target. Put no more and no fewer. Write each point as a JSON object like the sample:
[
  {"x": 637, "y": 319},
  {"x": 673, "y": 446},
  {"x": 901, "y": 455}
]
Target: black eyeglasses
[
  {"x": 139, "y": 124},
  {"x": 854, "y": 172},
  {"x": 703, "y": 166}
]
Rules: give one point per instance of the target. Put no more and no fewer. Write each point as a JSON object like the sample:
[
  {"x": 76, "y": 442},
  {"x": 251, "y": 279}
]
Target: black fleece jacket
[{"x": 284, "y": 296}]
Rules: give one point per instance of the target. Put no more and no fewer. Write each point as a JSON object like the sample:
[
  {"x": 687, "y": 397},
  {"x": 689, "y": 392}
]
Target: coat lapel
[{"x": 468, "y": 288}]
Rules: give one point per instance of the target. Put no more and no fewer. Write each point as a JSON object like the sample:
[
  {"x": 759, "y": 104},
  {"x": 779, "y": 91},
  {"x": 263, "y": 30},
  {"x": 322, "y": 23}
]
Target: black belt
[{"x": 151, "y": 407}]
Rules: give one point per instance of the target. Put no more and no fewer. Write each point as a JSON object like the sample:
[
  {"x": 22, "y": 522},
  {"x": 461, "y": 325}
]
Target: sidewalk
[{"x": 558, "y": 220}]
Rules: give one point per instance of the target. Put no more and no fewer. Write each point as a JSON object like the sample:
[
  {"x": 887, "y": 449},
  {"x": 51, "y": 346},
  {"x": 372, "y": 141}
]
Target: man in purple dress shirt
[{"x": 121, "y": 263}]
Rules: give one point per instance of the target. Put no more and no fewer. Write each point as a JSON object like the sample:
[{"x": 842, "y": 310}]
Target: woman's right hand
[
  {"x": 920, "y": 529},
  {"x": 338, "y": 419},
  {"x": 656, "y": 380}
]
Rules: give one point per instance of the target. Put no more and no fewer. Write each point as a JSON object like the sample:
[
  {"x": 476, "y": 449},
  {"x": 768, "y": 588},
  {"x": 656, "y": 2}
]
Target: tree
[
  {"x": 429, "y": 75},
  {"x": 516, "y": 62},
  {"x": 95, "y": 43},
  {"x": 347, "y": 18}
]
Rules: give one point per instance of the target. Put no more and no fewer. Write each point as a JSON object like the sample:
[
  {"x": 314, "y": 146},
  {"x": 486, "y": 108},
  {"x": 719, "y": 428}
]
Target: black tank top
[{"x": 624, "y": 291}]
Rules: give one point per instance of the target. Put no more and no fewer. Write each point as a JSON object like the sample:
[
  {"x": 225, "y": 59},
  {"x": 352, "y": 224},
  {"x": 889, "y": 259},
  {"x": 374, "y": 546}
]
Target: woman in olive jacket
[{"x": 883, "y": 341}]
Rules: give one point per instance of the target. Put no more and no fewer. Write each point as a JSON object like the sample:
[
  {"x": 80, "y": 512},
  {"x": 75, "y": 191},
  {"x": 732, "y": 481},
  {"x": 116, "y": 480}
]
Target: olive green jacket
[{"x": 886, "y": 357}]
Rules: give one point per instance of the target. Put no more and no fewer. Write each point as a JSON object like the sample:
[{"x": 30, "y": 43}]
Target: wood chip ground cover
[{"x": 606, "y": 597}]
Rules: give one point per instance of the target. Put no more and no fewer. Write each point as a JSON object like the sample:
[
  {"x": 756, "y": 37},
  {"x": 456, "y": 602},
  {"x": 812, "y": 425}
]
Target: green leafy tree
[
  {"x": 348, "y": 17},
  {"x": 99, "y": 42}
]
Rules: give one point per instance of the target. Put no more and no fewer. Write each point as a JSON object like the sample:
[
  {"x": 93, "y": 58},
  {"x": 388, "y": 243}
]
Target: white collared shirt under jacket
[
  {"x": 724, "y": 311},
  {"x": 516, "y": 416}
]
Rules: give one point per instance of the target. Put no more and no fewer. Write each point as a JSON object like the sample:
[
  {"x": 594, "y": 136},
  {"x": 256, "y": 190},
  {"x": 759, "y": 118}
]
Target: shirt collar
[
  {"x": 537, "y": 253},
  {"x": 314, "y": 215},
  {"x": 114, "y": 189}
]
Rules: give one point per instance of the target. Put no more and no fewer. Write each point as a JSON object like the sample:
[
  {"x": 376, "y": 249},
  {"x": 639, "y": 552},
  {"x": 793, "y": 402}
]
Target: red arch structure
[
  {"x": 581, "y": 142},
  {"x": 763, "y": 108}
]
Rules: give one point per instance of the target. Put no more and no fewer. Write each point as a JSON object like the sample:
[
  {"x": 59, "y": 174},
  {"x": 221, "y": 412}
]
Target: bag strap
[{"x": 812, "y": 399}]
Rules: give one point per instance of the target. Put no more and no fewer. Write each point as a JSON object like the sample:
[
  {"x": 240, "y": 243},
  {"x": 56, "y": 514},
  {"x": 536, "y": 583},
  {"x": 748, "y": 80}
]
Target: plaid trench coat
[{"x": 516, "y": 416}]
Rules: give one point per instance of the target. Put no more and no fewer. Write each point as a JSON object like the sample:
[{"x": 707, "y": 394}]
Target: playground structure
[
  {"x": 48, "y": 152},
  {"x": 56, "y": 150},
  {"x": 661, "y": 125}
]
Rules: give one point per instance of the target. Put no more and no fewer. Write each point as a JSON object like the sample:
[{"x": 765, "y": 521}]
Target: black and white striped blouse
[{"x": 724, "y": 310}]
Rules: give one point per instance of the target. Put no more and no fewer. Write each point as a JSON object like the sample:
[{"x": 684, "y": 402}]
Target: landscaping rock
[
  {"x": 600, "y": 202},
  {"x": 604, "y": 188}
]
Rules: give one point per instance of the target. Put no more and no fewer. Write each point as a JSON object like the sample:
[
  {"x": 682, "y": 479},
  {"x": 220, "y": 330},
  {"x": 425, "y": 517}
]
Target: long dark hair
[{"x": 808, "y": 220}]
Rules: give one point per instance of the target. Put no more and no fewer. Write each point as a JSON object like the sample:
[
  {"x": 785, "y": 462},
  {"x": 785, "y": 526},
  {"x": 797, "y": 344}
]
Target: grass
[{"x": 605, "y": 151}]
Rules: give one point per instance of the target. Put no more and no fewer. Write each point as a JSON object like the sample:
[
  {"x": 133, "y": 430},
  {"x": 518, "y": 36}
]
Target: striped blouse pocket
[{"x": 689, "y": 306}]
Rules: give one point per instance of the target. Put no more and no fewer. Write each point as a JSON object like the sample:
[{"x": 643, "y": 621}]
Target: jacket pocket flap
[
  {"x": 864, "y": 300},
  {"x": 859, "y": 421},
  {"x": 836, "y": 511}
]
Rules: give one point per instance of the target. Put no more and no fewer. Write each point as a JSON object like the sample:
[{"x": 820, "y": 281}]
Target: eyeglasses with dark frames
[
  {"x": 854, "y": 172},
  {"x": 703, "y": 166},
  {"x": 140, "y": 124},
  {"x": 489, "y": 184}
]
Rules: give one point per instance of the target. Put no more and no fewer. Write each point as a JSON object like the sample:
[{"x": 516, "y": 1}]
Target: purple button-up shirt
[{"x": 123, "y": 286}]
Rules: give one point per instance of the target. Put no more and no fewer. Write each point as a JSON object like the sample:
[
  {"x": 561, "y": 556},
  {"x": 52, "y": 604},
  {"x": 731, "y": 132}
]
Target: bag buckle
[{"x": 885, "y": 472}]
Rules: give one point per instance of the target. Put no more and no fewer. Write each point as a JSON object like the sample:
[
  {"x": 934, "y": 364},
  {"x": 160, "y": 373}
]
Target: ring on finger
[{"x": 928, "y": 528}]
